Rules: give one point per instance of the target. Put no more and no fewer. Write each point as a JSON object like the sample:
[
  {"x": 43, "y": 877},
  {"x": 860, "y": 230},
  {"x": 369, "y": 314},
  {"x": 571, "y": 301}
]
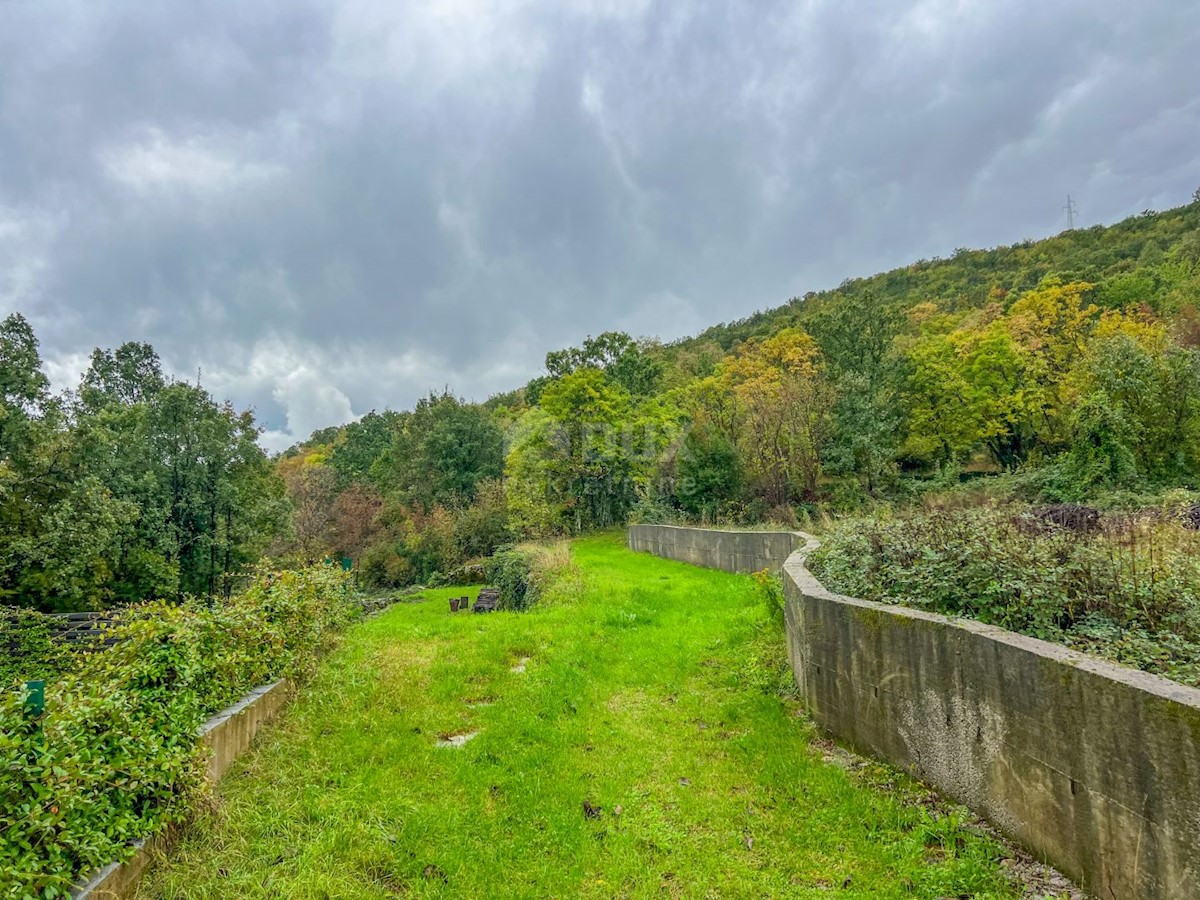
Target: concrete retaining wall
[
  {"x": 1092, "y": 766},
  {"x": 730, "y": 551},
  {"x": 225, "y": 736}
]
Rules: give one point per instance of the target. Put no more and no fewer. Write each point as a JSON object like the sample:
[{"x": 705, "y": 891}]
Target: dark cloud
[{"x": 328, "y": 207}]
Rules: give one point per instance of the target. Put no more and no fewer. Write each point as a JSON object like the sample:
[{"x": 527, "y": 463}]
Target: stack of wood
[
  {"x": 1191, "y": 517},
  {"x": 85, "y": 630},
  {"x": 488, "y": 598},
  {"x": 1071, "y": 516}
]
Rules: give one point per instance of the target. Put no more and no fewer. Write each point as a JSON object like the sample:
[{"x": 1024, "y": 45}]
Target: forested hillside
[{"x": 1069, "y": 365}]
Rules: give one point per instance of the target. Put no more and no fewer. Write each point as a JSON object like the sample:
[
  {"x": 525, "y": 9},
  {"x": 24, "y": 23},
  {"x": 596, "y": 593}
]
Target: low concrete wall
[
  {"x": 229, "y": 733},
  {"x": 1092, "y": 766},
  {"x": 225, "y": 736},
  {"x": 730, "y": 551}
]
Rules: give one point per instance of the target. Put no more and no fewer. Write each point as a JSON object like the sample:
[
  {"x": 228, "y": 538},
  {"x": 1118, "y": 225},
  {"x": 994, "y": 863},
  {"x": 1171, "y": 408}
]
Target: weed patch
[{"x": 1127, "y": 588}]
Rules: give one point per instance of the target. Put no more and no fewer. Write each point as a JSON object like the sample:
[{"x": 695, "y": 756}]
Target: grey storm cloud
[{"x": 328, "y": 207}]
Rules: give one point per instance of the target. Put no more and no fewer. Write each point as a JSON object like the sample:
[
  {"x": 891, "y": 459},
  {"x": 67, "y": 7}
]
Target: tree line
[
  {"x": 129, "y": 487},
  {"x": 1071, "y": 362},
  {"x": 1071, "y": 365}
]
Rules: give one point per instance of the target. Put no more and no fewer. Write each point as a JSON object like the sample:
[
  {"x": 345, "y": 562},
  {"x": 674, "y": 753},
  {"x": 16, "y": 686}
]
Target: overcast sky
[{"x": 329, "y": 207}]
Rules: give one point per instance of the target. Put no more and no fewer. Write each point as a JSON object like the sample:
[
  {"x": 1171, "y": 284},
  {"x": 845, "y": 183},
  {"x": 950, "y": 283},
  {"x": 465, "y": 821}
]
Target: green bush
[
  {"x": 27, "y": 648},
  {"x": 654, "y": 511},
  {"x": 381, "y": 566},
  {"x": 468, "y": 573},
  {"x": 532, "y": 574},
  {"x": 115, "y": 756},
  {"x": 509, "y": 571},
  {"x": 1130, "y": 591}
]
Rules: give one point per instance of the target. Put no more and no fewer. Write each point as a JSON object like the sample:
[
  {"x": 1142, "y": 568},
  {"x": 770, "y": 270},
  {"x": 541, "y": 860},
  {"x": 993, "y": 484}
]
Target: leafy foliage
[
  {"x": 1130, "y": 592},
  {"x": 528, "y": 574},
  {"x": 26, "y": 637},
  {"x": 442, "y": 451},
  {"x": 510, "y": 572},
  {"x": 115, "y": 756},
  {"x": 133, "y": 488},
  {"x": 708, "y": 472}
]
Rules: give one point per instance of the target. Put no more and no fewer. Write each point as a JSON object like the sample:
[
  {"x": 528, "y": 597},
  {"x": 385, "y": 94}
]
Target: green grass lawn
[{"x": 649, "y": 694}]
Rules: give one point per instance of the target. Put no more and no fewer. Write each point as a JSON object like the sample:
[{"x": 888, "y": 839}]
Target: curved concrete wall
[{"x": 1093, "y": 766}]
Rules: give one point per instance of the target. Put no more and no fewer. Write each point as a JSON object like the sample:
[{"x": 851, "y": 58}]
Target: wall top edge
[
  {"x": 721, "y": 530},
  {"x": 794, "y": 567},
  {"x": 216, "y": 719}
]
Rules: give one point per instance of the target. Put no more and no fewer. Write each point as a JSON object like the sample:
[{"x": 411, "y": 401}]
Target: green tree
[
  {"x": 23, "y": 389},
  {"x": 856, "y": 334},
  {"x": 130, "y": 374},
  {"x": 627, "y": 362},
  {"x": 212, "y": 485},
  {"x": 481, "y": 528},
  {"x": 442, "y": 451},
  {"x": 71, "y": 562},
  {"x": 1153, "y": 397},
  {"x": 866, "y": 436},
  {"x": 590, "y": 468},
  {"x": 361, "y": 444},
  {"x": 1101, "y": 451},
  {"x": 708, "y": 472},
  {"x": 536, "y": 506}
]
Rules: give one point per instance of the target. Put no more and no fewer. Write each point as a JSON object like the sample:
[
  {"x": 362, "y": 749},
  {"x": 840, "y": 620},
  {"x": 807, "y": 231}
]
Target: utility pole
[{"x": 1071, "y": 209}]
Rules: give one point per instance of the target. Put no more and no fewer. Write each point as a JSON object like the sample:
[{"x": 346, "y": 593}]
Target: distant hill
[{"x": 970, "y": 278}]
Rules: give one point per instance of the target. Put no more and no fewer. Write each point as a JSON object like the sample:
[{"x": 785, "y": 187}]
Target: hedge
[{"x": 115, "y": 756}]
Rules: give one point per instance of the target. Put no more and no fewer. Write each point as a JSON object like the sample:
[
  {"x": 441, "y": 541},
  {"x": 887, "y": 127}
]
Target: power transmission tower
[{"x": 1071, "y": 209}]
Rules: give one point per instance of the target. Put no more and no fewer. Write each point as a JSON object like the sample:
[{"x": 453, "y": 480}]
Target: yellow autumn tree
[{"x": 773, "y": 402}]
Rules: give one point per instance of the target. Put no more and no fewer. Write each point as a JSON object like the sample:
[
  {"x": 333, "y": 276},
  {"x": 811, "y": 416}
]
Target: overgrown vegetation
[
  {"x": 28, "y": 647},
  {"x": 1129, "y": 589},
  {"x": 115, "y": 757},
  {"x": 629, "y": 756},
  {"x": 527, "y": 574}
]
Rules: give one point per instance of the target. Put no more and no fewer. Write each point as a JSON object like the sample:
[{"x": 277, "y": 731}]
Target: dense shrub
[
  {"x": 510, "y": 571},
  {"x": 433, "y": 547},
  {"x": 529, "y": 574},
  {"x": 115, "y": 756},
  {"x": 468, "y": 573},
  {"x": 1129, "y": 591},
  {"x": 27, "y": 636},
  {"x": 382, "y": 566},
  {"x": 654, "y": 511}
]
